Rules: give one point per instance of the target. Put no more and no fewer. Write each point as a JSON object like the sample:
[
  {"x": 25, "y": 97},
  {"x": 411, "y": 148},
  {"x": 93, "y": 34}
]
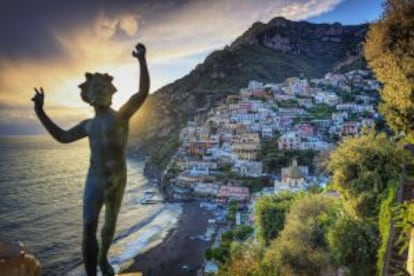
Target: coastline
[{"x": 181, "y": 253}]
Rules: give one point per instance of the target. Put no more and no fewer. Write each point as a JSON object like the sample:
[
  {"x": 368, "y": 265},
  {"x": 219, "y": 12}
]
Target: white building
[
  {"x": 355, "y": 108},
  {"x": 314, "y": 143},
  {"x": 248, "y": 168},
  {"x": 289, "y": 141},
  {"x": 339, "y": 118},
  {"x": 328, "y": 98},
  {"x": 206, "y": 189},
  {"x": 255, "y": 85},
  {"x": 267, "y": 132}
]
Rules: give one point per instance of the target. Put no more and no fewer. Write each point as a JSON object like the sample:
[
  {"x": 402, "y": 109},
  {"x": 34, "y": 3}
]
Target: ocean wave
[
  {"x": 149, "y": 235},
  {"x": 139, "y": 238}
]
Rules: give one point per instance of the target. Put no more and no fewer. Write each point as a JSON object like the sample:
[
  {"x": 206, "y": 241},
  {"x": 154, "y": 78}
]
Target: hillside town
[
  {"x": 223, "y": 149},
  {"x": 222, "y": 157}
]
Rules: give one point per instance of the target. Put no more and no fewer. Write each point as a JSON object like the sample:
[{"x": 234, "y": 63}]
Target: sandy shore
[{"x": 180, "y": 254}]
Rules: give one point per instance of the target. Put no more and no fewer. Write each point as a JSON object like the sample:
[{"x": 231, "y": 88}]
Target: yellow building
[{"x": 247, "y": 146}]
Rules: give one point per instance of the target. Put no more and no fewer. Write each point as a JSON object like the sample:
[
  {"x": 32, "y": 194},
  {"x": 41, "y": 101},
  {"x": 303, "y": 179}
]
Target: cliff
[{"x": 268, "y": 52}]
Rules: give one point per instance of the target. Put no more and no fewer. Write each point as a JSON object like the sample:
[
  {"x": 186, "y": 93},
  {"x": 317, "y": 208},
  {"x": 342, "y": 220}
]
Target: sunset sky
[{"x": 52, "y": 43}]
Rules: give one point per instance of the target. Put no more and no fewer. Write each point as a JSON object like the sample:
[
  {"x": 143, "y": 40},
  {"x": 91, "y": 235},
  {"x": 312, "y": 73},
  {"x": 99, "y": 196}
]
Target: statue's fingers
[
  {"x": 37, "y": 92},
  {"x": 42, "y": 92},
  {"x": 141, "y": 48}
]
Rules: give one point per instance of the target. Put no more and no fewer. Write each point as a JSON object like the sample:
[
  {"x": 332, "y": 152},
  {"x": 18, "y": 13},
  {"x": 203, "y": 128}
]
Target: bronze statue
[{"x": 108, "y": 133}]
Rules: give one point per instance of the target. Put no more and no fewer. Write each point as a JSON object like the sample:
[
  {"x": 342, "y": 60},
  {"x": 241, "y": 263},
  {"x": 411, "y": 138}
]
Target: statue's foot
[{"x": 106, "y": 268}]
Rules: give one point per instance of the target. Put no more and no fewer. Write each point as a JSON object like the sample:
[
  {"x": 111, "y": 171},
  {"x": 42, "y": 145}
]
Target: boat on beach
[{"x": 151, "y": 197}]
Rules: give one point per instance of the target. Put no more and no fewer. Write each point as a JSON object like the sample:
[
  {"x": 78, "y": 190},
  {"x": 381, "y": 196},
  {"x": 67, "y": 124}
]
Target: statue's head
[{"x": 98, "y": 89}]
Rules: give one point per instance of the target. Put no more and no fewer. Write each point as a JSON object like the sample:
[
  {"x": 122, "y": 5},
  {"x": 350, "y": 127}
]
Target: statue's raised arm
[
  {"x": 63, "y": 136},
  {"x": 136, "y": 100}
]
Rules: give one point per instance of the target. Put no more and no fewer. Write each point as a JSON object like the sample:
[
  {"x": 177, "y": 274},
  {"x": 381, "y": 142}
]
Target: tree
[
  {"x": 270, "y": 213},
  {"x": 301, "y": 247},
  {"x": 353, "y": 244},
  {"x": 390, "y": 54},
  {"x": 232, "y": 208},
  {"x": 242, "y": 232},
  {"x": 361, "y": 168},
  {"x": 245, "y": 261}
]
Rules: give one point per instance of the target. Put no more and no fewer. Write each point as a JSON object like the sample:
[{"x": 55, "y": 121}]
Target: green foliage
[
  {"x": 209, "y": 254},
  {"x": 404, "y": 220},
  {"x": 220, "y": 254},
  {"x": 226, "y": 168},
  {"x": 353, "y": 244},
  {"x": 245, "y": 261},
  {"x": 270, "y": 214},
  {"x": 255, "y": 184},
  {"x": 346, "y": 96},
  {"x": 164, "y": 153},
  {"x": 256, "y": 98},
  {"x": 229, "y": 245},
  {"x": 232, "y": 208},
  {"x": 390, "y": 54},
  {"x": 242, "y": 232},
  {"x": 301, "y": 247},
  {"x": 384, "y": 222},
  {"x": 361, "y": 168},
  {"x": 289, "y": 103},
  {"x": 321, "y": 111}
]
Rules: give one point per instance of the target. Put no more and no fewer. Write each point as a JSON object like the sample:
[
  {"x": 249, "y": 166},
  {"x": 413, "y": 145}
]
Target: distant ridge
[{"x": 268, "y": 52}]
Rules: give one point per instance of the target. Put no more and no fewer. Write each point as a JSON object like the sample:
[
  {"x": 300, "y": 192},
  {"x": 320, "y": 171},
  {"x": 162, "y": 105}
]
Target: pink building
[
  {"x": 234, "y": 192},
  {"x": 304, "y": 129},
  {"x": 259, "y": 93},
  {"x": 246, "y": 106}
]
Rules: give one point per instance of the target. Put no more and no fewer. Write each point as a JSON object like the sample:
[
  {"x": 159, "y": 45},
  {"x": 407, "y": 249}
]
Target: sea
[{"x": 41, "y": 188}]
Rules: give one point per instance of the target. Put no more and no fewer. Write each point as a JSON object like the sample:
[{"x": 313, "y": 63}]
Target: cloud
[
  {"x": 42, "y": 29},
  {"x": 202, "y": 26},
  {"x": 129, "y": 24},
  {"x": 50, "y": 45}
]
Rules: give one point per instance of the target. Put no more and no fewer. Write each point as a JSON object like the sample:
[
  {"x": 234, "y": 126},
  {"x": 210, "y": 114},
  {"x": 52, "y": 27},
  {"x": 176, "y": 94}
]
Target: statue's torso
[{"x": 107, "y": 140}]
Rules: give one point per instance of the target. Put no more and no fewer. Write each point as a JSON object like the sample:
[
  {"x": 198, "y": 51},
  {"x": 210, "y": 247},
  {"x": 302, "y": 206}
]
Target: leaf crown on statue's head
[{"x": 97, "y": 89}]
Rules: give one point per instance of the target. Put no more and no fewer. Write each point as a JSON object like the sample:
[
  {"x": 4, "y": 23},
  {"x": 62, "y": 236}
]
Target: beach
[{"x": 182, "y": 251}]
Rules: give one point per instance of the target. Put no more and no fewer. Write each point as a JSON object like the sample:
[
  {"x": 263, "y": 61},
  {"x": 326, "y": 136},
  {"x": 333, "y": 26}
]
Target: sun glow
[{"x": 126, "y": 81}]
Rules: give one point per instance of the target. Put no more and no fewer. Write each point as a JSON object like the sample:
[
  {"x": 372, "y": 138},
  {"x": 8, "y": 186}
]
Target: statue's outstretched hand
[
  {"x": 38, "y": 98},
  {"x": 140, "y": 51}
]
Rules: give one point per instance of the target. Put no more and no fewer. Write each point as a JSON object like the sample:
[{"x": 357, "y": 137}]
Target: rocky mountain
[{"x": 268, "y": 52}]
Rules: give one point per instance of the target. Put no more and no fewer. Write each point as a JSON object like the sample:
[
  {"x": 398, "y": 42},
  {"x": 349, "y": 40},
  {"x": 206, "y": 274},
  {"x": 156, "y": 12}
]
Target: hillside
[{"x": 268, "y": 52}]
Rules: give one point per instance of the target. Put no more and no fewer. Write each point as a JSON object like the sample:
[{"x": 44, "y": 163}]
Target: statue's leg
[
  {"x": 92, "y": 204},
  {"x": 112, "y": 205}
]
